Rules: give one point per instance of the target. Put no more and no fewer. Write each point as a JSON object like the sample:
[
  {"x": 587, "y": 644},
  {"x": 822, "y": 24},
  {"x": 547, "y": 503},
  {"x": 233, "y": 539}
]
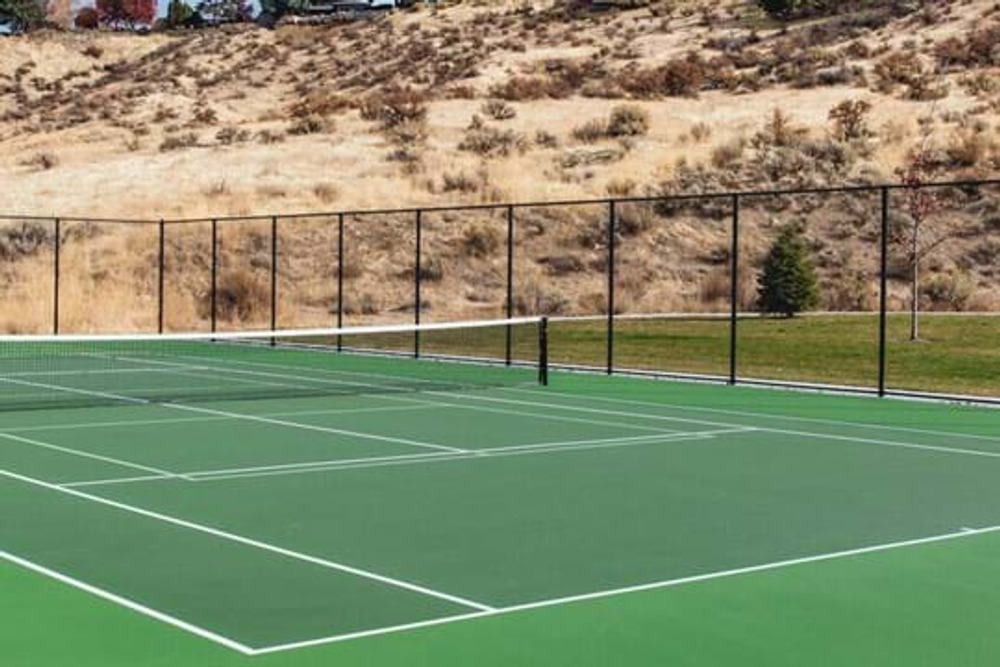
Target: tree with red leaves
[{"x": 126, "y": 14}]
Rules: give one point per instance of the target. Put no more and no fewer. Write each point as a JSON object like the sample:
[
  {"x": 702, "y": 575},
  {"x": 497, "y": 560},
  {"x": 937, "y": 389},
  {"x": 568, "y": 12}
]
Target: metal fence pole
[
  {"x": 612, "y": 229},
  {"x": 418, "y": 222},
  {"x": 883, "y": 292},
  {"x": 509, "y": 354},
  {"x": 734, "y": 290},
  {"x": 215, "y": 277},
  {"x": 274, "y": 276},
  {"x": 340, "y": 279},
  {"x": 56, "y": 249},
  {"x": 161, "y": 276}
]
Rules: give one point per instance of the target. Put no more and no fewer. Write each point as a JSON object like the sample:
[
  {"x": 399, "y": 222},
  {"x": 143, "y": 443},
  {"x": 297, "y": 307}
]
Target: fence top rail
[
  {"x": 75, "y": 219},
  {"x": 665, "y": 198}
]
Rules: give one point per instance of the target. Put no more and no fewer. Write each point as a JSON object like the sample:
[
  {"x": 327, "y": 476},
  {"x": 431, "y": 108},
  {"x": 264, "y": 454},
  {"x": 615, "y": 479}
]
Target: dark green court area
[{"x": 590, "y": 521}]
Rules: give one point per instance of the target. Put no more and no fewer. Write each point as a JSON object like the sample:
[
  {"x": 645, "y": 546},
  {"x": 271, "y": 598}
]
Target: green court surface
[{"x": 593, "y": 521}]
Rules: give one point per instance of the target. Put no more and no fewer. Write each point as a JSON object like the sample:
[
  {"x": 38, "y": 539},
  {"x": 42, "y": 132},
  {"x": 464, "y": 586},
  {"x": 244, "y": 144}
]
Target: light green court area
[{"x": 594, "y": 521}]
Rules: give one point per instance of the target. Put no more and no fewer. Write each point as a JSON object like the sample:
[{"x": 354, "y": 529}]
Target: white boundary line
[
  {"x": 656, "y": 585},
  {"x": 765, "y": 429},
  {"x": 246, "y": 541},
  {"x": 208, "y": 418},
  {"x": 755, "y": 415},
  {"x": 97, "y": 457},
  {"x": 129, "y": 604},
  {"x": 310, "y": 427},
  {"x": 405, "y": 459}
]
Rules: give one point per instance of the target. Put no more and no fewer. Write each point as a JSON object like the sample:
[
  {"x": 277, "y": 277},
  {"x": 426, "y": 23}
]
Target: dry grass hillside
[{"x": 484, "y": 102}]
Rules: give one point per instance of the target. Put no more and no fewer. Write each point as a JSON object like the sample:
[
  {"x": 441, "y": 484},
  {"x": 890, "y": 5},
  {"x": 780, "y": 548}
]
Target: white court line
[
  {"x": 246, "y": 541},
  {"x": 756, "y": 415},
  {"x": 765, "y": 429},
  {"x": 73, "y": 390},
  {"x": 403, "y": 459},
  {"x": 615, "y": 592},
  {"x": 128, "y": 604},
  {"x": 97, "y": 457},
  {"x": 215, "y": 418},
  {"x": 310, "y": 427},
  {"x": 474, "y": 455}
]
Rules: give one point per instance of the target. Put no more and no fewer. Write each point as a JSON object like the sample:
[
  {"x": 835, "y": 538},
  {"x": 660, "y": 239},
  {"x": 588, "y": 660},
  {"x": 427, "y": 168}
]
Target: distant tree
[
  {"x": 278, "y": 8},
  {"x": 850, "y": 119},
  {"x": 179, "y": 14},
  {"x": 27, "y": 13},
  {"x": 787, "y": 283},
  {"x": 225, "y": 11},
  {"x": 781, "y": 9},
  {"x": 911, "y": 233},
  {"x": 87, "y": 19},
  {"x": 126, "y": 13}
]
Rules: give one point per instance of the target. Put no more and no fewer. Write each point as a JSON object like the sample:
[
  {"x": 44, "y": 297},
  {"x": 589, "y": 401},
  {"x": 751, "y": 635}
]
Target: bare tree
[{"x": 920, "y": 203}]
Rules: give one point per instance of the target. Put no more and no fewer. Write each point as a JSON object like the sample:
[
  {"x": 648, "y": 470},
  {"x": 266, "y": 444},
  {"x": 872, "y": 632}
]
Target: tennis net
[{"x": 86, "y": 370}]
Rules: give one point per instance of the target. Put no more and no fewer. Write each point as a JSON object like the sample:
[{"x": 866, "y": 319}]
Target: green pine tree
[{"x": 787, "y": 284}]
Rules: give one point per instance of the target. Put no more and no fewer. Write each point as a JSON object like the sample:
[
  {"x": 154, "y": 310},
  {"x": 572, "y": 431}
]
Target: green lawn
[{"x": 956, "y": 354}]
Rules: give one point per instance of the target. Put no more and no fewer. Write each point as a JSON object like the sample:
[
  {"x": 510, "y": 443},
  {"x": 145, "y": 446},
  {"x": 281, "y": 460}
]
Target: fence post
[
  {"x": 612, "y": 229},
  {"x": 274, "y": 276},
  {"x": 734, "y": 290},
  {"x": 160, "y": 277},
  {"x": 509, "y": 355},
  {"x": 56, "y": 249},
  {"x": 215, "y": 270},
  {"x": 418, "y": 222},
  {"x": 340, "y": 280},
  {"x": 883, "y": 297}
]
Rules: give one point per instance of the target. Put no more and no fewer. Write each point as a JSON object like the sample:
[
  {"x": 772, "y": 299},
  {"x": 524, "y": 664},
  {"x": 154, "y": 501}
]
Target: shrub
[
  {"x": 239, "y": 296},
  {"x": 310, "y": 125},
  {"x": 87, "y": 19},
  {"x": 683, "y": 78},
  {"x": 231, "y": 135},
  {"x": 93, "y": 51},
  {"x": 489, "y": 141},
  {"x": 590, "y": 132},
  {"x": 266, "y": 136},
  {"x": 481, "y": 241},
  {"x": 176, "y": 142},
  {"x": 394, "y": 107},
  {"x": 787, "y": 283},
  {"x": 850, "y": 119},
  {"x": 545, "y": 139},
  {"x": 628, "y": 121},
  {"x": 498, "y": 110},
  {"x": 42, "y": 161}
]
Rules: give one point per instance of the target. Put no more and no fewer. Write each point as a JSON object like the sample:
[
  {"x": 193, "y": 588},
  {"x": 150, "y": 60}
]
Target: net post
[
  {"x": 418, "y": 242},
  {"x": 612, "y": 228},
  {"x": 56, "y": 249},
  {"x": 274, "y": 277},
  {"x": 543, "y": 351},
  {"x": 509, "y": 350},
  {"x": 883, "y": 292},
  {"x": 215, "y": 274},
  {"x": 340, "y": 280},
  {"x": 734, "y": 290},
  {"x": 160, "y": 276}
]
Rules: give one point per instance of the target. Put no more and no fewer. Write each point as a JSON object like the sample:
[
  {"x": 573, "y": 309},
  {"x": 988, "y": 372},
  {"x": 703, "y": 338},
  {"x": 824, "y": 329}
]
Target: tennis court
[{"x": 279, "y": 503}]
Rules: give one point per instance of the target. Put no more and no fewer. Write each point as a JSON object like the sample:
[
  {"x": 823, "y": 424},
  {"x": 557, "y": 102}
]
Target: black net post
[
  {"x": 340, "y": 279},
  {"x": 214, "y": 288},
  {"x": 543, "y": 351},
  {"x": 612, "y": 229},
  {"x": 418, "y": 243},
  {"x": 274, "y": 275},
  {"x": 883, "y": 296},
  {"x": 734, "y": 290},
  {"x": 56, "y": 250},
  {"x": 509, "y": 352},
  {"x": 162, "y": 260}
]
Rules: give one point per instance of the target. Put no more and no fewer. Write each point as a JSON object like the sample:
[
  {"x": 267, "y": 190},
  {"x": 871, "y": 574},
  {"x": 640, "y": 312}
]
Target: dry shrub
[
  {"x": 591, "y": 131},
  {"x": 267, "y": 136},
  {"x": 314, "y": 124},
  {"x": 326, "y": 192},
  {"x": 320, "y": 103},
  {"x": 177, "y": 142},
  {"x": 904, "y": 68},
  {"x": 232, "y": 135},
  {"x": 850, "y": 119},
  {"x": 240, "y": 296},
  {"x": 490, "y": 142},
  {"x": 395, "y": 107},
  {"x": 545, "y": 139},
  {"x": 519, "y": 88},
  {"x": 459, "y": 182},
  {"x": 628, "y": 121},
  {"x": 729, "y": 154},
  {"x": 621, "y": 187},
  {"x": 41, "y": 161},
  {"x": 498, "y": 110},
  {"x": 481, "y": 241}
]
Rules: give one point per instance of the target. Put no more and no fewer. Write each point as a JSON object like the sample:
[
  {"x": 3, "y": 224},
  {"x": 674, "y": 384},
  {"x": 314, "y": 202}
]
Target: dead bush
[
  {"x": 313, "y": 124},
  {"x": 498, "y": 110},
  {"x": 42, "y": 161},
  {"x": 240, "y": 296},
  {"x": 590, "y": 132},
  {"x": 481, "y": 241},
  {"x": 488, "y": 141},
  {"x": 395, "y": 107},
  {"x": 178, "y": 141},
  {"x": 627, "y": 121}
]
